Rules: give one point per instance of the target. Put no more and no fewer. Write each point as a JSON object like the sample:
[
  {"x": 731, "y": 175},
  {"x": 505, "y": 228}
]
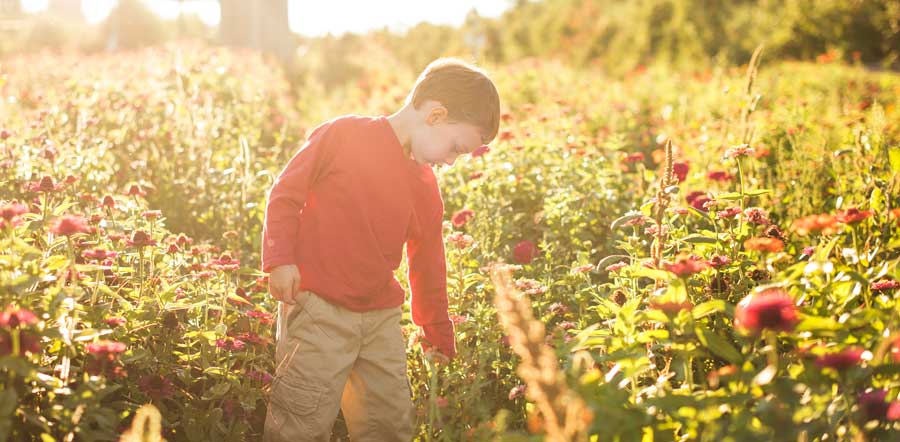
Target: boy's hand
[{"x": 284, "y": 283}]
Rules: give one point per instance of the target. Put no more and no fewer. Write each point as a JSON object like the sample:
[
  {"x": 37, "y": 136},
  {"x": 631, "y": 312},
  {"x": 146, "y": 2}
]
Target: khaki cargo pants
[{"x": 329, "y": 358}]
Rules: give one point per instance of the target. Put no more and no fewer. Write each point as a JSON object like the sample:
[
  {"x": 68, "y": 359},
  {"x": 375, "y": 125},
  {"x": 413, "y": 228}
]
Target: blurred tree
[
  {"x": 10, "y": 8},
  {"x": 66, "y": 9},
  {"x": 130, "y": 24},
  {"x": 259, "y": 24}
]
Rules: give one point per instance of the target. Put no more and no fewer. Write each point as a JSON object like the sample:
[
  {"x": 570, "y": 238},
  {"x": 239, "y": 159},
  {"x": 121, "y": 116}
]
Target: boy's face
[{"x": 438, "y": 140}]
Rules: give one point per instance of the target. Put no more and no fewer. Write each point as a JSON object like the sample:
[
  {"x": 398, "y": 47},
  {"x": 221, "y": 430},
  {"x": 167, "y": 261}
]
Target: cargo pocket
[{"x": 295, "y": 408}]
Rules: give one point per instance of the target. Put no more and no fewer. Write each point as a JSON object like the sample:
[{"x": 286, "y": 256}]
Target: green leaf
[
  {"x": 755, "y": 192},
  {"x": 652, "y": 273},
  {"x": 817, "y": 323},
  {"x": 707, "y": 308},
  {"x": 718, "y": 345},
  {"x": 696, "y": 238},
  {"x": 894, "y": 158},
  {"x": 624, "y": 219}
]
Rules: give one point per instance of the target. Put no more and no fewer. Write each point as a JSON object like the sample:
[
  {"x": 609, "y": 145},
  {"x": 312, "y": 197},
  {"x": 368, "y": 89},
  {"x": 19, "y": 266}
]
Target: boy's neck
[{"x": 401, "y": 121}]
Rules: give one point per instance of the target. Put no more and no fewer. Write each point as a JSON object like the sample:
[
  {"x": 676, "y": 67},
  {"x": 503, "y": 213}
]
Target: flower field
[{"x": 663, "y": 256}]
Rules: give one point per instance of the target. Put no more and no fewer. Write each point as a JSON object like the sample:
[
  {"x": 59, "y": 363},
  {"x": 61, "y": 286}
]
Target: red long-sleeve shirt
[{"x": 342, "y": 209}]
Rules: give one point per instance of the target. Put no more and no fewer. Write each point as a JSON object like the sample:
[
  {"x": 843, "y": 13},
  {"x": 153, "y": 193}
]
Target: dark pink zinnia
[
  {"x": 68, "y": 225},
  {"x": 461, "y": 217},
  {"x": 771, "y": 309},
  {"x": 841, "y": 360},
  {"x": 524, "y": 252}
]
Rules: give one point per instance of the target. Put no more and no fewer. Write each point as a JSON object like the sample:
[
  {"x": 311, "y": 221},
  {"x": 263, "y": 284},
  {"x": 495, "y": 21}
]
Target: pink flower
[
  {"x": 771, "y": 309},
  {"x": 719, "y": 175},
  {"x": 853, "y": 215},
  {"x": 441, "y": 402},
  {"x": 98, "y": 254},
  {"x": 739, "y": 151},
  {"x": 517, "y": 391},
  {"x": 616, "y": 267},
  {"x": 69, "y": 225},
  {"x": 12, "y": 210},
  {"x": 718, "y": 261},
  {"x": 481, "y": 150},
  {"x": 140, "y": 238},
  {"x": 225, "y": 262},
  {"x": 884, "y": 285},
  {"x": 105, "y": 349},
  {"x": 685, "y": 266},
  {"x": 135, "y": 190},
  {"x": 151, "y": 214},
  {"x": 634, "y": 157},
  {"x": 461, "y": 217},
  {"x": 114, "y": 321},
  {"x": 680, "y": 169},
  {"x": 841, "y": 360},
  {"x": 14, "y": 317},
  {"x": 156, "y": 386},
  {"x": 729, "y": 212},
  {"x": 524, "y": 252},
  {"x": 230, "y": 343}
]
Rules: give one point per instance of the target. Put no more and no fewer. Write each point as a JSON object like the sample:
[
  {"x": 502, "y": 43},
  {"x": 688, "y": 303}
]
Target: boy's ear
[{"x": 437, "y": 114}]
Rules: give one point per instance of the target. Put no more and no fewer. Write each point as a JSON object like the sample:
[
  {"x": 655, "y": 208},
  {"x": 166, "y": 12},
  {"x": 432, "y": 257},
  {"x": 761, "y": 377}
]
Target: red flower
[
  {"x": 4, "y": 134},
  {"x": 140, "y": 238},
  {"x": 671, "y": 307},
  {"x": 680, "y": 169},
  {"x": 475, "y": 175},
  {"x": 114, "y": 321},
  {"x": 230, "y": 344},
  {"x": 99, "y": 254},
  {"x": 697, "y": 199},
  {"x": 841, "y": 360},
  {"x": 108, "y": 201},
  {"x": 29, "y": 342},
  {"x": 14, "y": 317},
  {"x": 9, "y": 211},
  {"x": 616, "y": 267},
  {"x": 135, "y": 190},
  {"x": 151, "y": 214},
  {"x": 771, "y": 309},
  {"x": 460, "y": 240},
  {"x": 524, "y": 252},
  {"x": 718, "y": 261},
  {"x": 883, "y": 285},
  {"x": 69, "y": 225},
  {"x": 481, "y": 150},
  {"x": 156, "y": 386},
  {"x": 461, "y": 217},
  {"x": 685, "y": 266},
  {"x": 853, "y": 215},
  {"x": 105, "y": 349},
  {"x": 719, "y": 175},
  {"x": 46, "y": 185},
  {"x": 225, "y": 262},
  {"x": 872, "y": 405},
  {"x": 738, "y": 151},
  {"x": 634, "y": 157},
  {"x": 756, "y": 215}
]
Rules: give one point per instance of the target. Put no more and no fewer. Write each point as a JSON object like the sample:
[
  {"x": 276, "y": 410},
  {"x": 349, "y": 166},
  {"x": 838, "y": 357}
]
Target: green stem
[{"x": 772, "y": 341}]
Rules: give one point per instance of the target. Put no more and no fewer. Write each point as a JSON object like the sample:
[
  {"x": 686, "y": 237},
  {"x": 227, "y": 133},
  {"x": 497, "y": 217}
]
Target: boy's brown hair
[{"x": 465, "y": 90}]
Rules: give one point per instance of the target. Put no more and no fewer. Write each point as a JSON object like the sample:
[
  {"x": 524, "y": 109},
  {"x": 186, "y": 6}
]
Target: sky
[{"x": 314, "y": 18}]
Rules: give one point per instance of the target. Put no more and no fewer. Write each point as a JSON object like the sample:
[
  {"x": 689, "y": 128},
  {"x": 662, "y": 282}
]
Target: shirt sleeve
[
  {"x": 427, "y": 275},
  {"x": 289, "y": 191}
]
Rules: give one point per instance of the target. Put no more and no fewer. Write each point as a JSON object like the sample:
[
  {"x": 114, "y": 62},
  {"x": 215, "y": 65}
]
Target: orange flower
[
  {"x": 853, "y": 215},
  {"x": 771, "y": 245},
  {"x": 824, "y": 223}
]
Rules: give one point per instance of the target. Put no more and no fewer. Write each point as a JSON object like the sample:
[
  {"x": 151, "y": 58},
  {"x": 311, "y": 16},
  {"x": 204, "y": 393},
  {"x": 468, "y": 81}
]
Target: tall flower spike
[{"x": 566, "y": 416}]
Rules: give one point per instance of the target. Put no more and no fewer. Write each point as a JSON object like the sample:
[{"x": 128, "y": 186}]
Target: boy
[{"x": 337, "y": 219}]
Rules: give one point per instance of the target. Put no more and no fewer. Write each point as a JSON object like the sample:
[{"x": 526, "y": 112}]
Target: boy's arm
[
  {"x": 288, "y": 195},
  {"x": 427, "y": 274}
]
